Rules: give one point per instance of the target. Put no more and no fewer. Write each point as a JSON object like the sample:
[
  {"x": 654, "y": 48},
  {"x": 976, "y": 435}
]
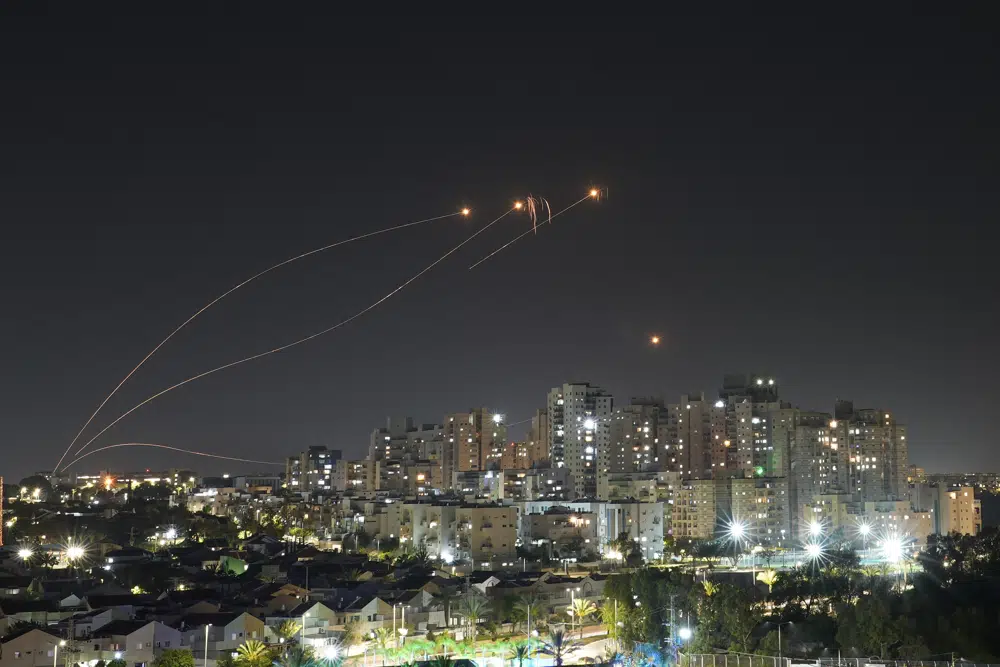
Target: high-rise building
[
  {"x": 538, "y": 440},
  {"x": 818, "y": 461},
  {"x": 748, "y": 401},
  {"x": 634, "y": 436},
  {"x": 695, "y": 437},
  {"x": 402, "y": 439},
  {"x": 474, "y": 440},
  {"x": 915, "y": 474},
  {"x": 954, "y": 509},
  {"x": 580, "y": 433},
  {"x": 876, "y": 450},
  {"x": 514, "y": 456},
  {"x": 761, "y": 504},
  {"x": 358, "y": 477},
  {"x": 312, "y": 470},
  {"x": 700, "y": 508}
]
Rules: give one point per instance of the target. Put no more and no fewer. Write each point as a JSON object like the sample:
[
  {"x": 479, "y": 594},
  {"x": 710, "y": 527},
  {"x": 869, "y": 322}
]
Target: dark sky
[{"x": 807, "y": 195}]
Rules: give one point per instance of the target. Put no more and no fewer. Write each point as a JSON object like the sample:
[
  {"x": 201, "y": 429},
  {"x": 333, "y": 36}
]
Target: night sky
[{"x": 808, "y": 196}]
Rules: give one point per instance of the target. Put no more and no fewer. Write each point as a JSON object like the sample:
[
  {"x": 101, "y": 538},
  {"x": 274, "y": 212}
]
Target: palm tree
[
  {"x": 768, "y": 577},
  {"x": 473, "y": 607},
  {"x": 558, "y": 646},
  {"x": 384, "y": 641},
  {"x": 443, "y": 643},
  {"x": 253, "y": 653},
  {"x": 520, "y": 652},
  {"x": 296, "y": 657},
  {"x": 613, "y": 656},
  {"x": 581, "y": 609},
  {"x": 46, "y": 561},
  {"x": 526, "y": 608},
  {"x": 289, "y": 629},
  {"x": 710, "y": 588}
]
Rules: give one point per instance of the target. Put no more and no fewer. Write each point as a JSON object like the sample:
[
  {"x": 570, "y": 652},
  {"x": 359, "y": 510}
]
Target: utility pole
[
  {"x": 618, "y": 636},
  {"x": 673, "y": 633},
  {"x": 205, "y": 660}
]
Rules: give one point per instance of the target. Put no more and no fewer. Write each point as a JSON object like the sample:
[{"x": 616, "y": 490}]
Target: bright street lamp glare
[
  {"x": 593, "y": 193},
  {"x": 864, "y": 529},
  {"x": 814, "y": 550},
  {"x": 893, "y": 549},
  {"x": 74, "y": 552},
  {"x": 684, "y": 633},
  {"x": 330, "y": 652},
  {"x": 25, "y": 554},
  {"x": 497, "y": 418},
  {"x": 171, "y": 534},
  {"x": 589, "y": 424},
  {"x": 737, "y": 530},
  {"x": 815, "y": 529},
  {"x": 465, "y": 211}
]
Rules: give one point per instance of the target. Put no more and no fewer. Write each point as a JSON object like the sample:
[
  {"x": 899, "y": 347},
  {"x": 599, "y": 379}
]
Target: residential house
[
  {"x": 31, "y": 647},
  {"x": 139, "y": 643},
  {"x": 225, "y": 632}
]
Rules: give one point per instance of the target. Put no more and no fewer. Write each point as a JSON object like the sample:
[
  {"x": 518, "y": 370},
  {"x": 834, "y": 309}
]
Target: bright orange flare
[
  {"x": 655, "y": 340},
  {"x": 594, "y": 193},
  {"x": 465, "y": 211},
  {"x": 518, "y": 205}
]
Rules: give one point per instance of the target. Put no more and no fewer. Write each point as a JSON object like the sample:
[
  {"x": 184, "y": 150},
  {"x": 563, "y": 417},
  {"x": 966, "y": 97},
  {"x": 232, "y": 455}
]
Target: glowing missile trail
[
  {"x": 175, "y": 449},
  {"x": 301, "y": 340},
  {"x": 551, "y": 216},
  {"x": 463, "y": 212}
]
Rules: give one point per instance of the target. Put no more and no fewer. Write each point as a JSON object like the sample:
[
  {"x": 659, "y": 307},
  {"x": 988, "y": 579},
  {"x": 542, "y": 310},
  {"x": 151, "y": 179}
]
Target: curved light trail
[
  {"x": 301, "y": 340},
  {"x": 463, "y": 212},
  {"x": 590, "y": 195},
  {"x": 174, "y": 449}
]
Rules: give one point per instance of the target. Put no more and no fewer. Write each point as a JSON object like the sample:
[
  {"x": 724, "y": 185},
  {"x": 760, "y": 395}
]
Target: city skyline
[
  {"x": 516, "y": 426},
  {"x": 795, "y": 194}
]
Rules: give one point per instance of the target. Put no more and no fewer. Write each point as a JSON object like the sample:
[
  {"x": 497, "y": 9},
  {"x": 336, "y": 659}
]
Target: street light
[
  {"x": 736, "y": 530},
  {"x": 589, "y": 424},
  {"x": 815, "y": 528},
  {"x": 779, "y": 636},
  {"x": 497, "y": 418},
  {"x": 329, "y": 652},
  {"x": 55, "y": 652},
  {"x": 25, "y": 553},
  {"x": 684, "y": 634},
  {"x": 892, "y": 549},
  {"x": 75, "y": 552},
  {"x": 205, "y": 662},
  {"x": 864, "y": 529},
  {"x": 814, "y": 551}
]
